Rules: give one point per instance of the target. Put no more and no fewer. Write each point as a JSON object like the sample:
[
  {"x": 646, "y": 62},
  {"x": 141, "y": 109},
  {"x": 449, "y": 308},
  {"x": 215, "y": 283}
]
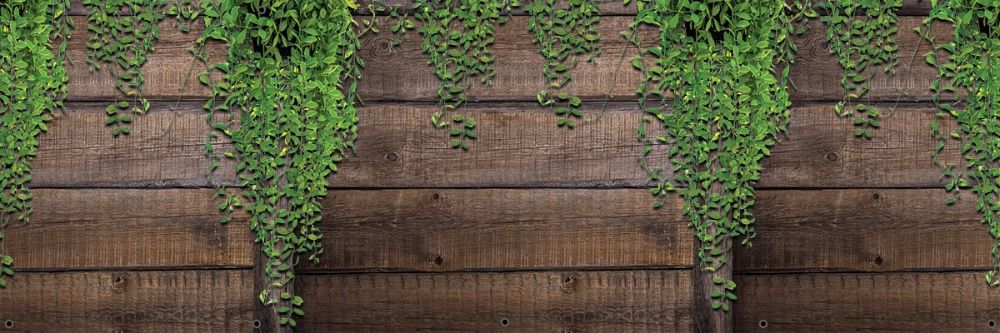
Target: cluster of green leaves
[
  {"x": 291, "y": 71},
  {"x": 123, "y": 34},
  {"x": 458, "y": 38},
  {"x": 970, "y": 74},
  {"x": 721, "y": 104},
  {"x": 860, "y": 33},
  {"x": 564, "y": 31},
  {"x": 32, "y": 87}
]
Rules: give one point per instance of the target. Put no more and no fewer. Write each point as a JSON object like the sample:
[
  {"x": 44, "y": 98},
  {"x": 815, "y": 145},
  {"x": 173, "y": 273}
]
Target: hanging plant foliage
[
  {"x": 564, "y": 31},
  {"x": 123, "y": 35},
  {"x": 458, "y": 39},
  {"x": 291, "y": 75},
  {"x": 32, "y": 87},
  {"x": 971, "y": 75},
  {"x": 714, "y": 90},
  {"x": 860, "y": 33}
]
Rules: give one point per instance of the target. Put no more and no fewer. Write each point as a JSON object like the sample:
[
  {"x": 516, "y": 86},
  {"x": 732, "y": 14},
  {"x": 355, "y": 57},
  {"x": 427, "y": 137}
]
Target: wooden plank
[
  {"x": 150, "y": 301},
  {"x": 171, "y": 71},
  {"x": 399, "y": 73},
  {"x": 126, "y": 228},
  {"x": 906, "y": 302},
  {"x": 607, "y": 7},
  {"x": 500, "y": 229},
  {"x": 865, "y": 230},
  {"x": 519, "y": 146},
  {"x": 589, "y": 301}
]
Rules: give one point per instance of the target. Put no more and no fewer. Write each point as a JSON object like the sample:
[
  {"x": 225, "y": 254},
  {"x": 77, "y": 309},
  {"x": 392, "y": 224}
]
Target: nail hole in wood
[
  {"x": 762, "y": 323},
  {"x": 256, "y": 324},
  {"x": 504, "y": 322},
  {"x": 991, "y": 323},
  {"x": 436, "y": 196},
  {"x": 876, "y": 196},
  {"x": 8, "y": 323}
]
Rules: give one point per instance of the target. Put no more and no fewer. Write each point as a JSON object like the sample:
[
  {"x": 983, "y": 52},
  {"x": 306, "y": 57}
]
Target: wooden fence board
[
  {"x": 399, "y": 72},
  {"x": 500, "y": 229},
  {"x": 519, "y": 146},
  {"x": 882, "y": 302},
  {"x": 607, "y": 7},
  {"x": 127, "y": 228},
  {"x": 865, "y": 230},
  {"x": 150, "y": 301},
  {"x": 594, "y": 301}
]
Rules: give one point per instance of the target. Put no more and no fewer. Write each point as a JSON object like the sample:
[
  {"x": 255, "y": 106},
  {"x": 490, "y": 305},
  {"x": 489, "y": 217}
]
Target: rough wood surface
[
  {"x": 126, "y": 228},
  {"x": 866, "y": 230},
  {"x": 122, "y": 301},
  {"x": 607, "y": 7},
  {"x": 594, "y": 301},
  {"x": 399, "y": 72},
  {"x": 500, "y": 229},
  {"x": 886, "y": 302},
  {"x": 519, "y": 146}
]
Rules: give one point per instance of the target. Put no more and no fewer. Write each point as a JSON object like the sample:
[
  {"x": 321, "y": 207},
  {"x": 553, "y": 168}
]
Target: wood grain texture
[
  {"x": 399, "y": 72},
  {"x": 126, "y": 228},
  {"x": 866, "y": 230},
  {"x": 500, "y": 229},
  {"x": 171, "y": 71},
  {"x": 113, "y": 301},
  {"x": 519, "y": 146},
  {"x": 594, "y": 301},
  {"x": 607, "y": 7},
  {"x": 863, "y": 302}
]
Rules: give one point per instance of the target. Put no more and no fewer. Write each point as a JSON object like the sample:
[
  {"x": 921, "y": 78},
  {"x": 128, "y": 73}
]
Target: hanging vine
[
  {"x": 123, "y": 34},
  {"x": 860, "y": 33},
  {"x": 971, "y": 74},
  {"x": 291, "y": 71},
  {"x": 721, "y": 104},
  {"x": 564, "y": 31},
  {"x": 32, "y": 87},
  {"x": 458, "y": 38}
]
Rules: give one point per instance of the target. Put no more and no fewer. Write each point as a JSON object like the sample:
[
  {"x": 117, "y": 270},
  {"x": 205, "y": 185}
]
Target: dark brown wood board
[
  {"x": 129, "y": 301},
  {"x": 549, "y": 301}
]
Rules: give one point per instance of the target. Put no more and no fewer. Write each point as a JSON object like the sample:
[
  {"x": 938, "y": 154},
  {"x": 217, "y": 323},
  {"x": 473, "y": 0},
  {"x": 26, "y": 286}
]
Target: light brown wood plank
[
  {"x": 400, "y": 72},
  {"x": 906, "y": 302},
  {"x": 171, "y": 71},
  {"x": 127, "y": 228},
  {"x": 865, "y": 230},
  {"x": 151, "y": 301},
  {"x": 595, "y": 301},
  {"x": 165, "y": 149},
  {"x": 518, "y": 146},
  {"x": 500, "y": 229}
]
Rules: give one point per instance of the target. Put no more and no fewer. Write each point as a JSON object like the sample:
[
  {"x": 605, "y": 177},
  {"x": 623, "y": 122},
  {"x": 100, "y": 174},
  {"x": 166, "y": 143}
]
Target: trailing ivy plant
[
  {"x": 564, "y": 31},
  {"x": 860, "y": 33},
  {"x": 971, "y": 74},
  {"x": 123, "y": 34},
  {"x": 32, "y": 87},
  {"x": 721, "y": 104},
  {"x": 458, "y": 38},
  {"x": 291, "y": 76}
]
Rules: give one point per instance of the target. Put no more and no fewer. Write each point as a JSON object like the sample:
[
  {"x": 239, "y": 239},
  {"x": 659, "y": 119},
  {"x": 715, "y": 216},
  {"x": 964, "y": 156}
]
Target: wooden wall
[{"x": 535, "y": 229}]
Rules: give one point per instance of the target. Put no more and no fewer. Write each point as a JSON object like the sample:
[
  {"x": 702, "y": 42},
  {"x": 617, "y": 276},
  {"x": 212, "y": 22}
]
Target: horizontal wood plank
[
  {"x": 865, "y": 230},
  {"x": 518, "y": 146},
  {"x": 127, "y": 228},
  {"x": 500, "y": 229},
  {"x": 399, "y": 72},
  {"x": 607, "y": 7},
  {"x": 594, "y": 301},
  {"x": 151, "y": 301},
  {"x": 881, "y": 302}
]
